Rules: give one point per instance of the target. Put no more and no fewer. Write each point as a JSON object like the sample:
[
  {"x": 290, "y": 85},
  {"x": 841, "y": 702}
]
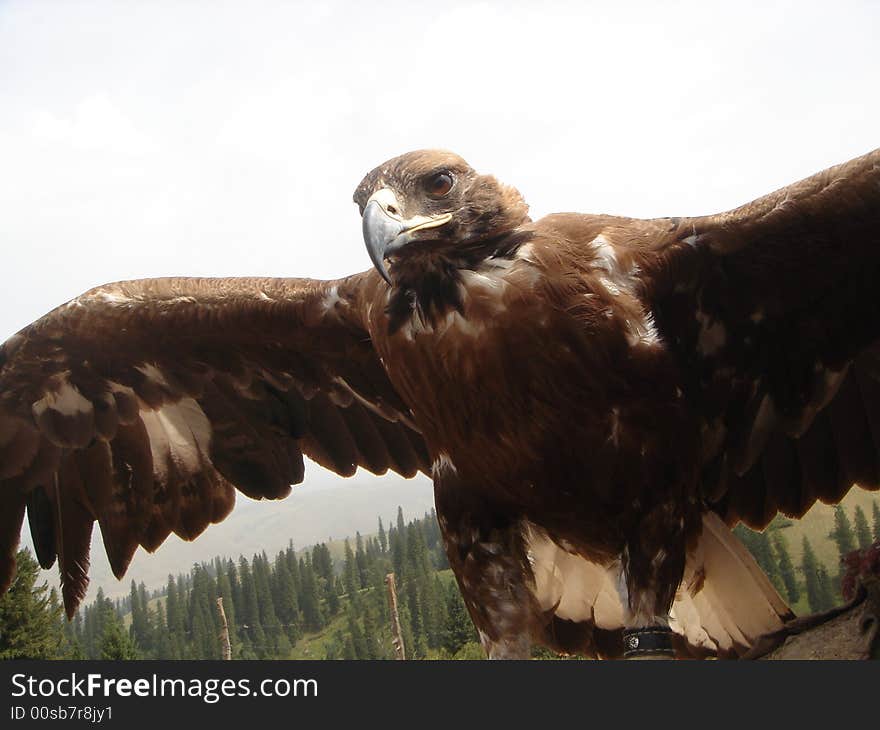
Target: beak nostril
[{"x": 391, "y": 209}]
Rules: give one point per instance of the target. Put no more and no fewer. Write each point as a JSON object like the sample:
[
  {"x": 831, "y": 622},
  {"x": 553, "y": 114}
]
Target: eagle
[{"x": 597, "y": 399}]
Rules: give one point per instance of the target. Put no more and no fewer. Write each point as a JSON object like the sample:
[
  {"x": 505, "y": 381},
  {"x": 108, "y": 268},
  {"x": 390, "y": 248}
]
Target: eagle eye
[{"x": 438, "y": 184}]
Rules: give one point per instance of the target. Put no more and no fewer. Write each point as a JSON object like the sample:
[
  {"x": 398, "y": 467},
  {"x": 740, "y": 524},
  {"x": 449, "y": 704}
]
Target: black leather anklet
[{"x": 649, "y": 640}]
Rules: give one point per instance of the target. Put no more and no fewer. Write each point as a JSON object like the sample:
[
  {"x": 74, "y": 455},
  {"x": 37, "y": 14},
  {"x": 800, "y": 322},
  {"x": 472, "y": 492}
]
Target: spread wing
[
  {"x": 773, "y": 312},
  {"x": 142, "y": 405}
]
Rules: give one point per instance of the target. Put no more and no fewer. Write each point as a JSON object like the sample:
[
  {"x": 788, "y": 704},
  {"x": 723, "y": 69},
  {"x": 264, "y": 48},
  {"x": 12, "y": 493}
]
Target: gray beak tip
[{"x": 379, "y": 230}]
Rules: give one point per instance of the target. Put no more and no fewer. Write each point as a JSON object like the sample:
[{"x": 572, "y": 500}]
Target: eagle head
[{"x": 433, "y": 198}]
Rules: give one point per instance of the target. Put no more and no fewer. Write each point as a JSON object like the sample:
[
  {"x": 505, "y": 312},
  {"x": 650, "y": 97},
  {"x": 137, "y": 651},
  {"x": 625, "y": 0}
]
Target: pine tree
[
  {"x": 286, "y": 601},
  {"x": 72, "y": 633},
  {"x": 235, "y": 588},
  {"x": 349, "y": 570},
  {"x": 842, "y": 533},
  {"x": 763, "y": 553},
  {"x": 293, "y": 566},
  {"x": 459, "y": 629},
  {"x": 875, "y": 516},
  {"x": 348, "y": 652},
  {"x": 433, "y": 538},
  {"x": 322, "y": 562},
  {"x": 175, "y": 617},
  {"x": 202, "y": 614},
  {"x": 67, "y": 646},
  {"x": 377, "y": 569},
  {"x": 134, "y": 605},
  {"x": 333, "y": 648},
  {"x": 30, "y": 621},
  {"x": 76, "y": 626},
  {"x": 249, "y": 613},
  {"x": 786, "y": 569},
  {"x": 434, "y": 607},
  {"x": 378, "y": 593},
  {"x": 268, "y": 617},
  {"x": 383, "y": 538},
  {"x": 826, "y": 590},
  {"x": 93, "y": 625},
  {"x": 357, "y": 636},
  {"x": 758, "y": 544},
  {"x": 417, "y": 647},
  {"x": 141, "y": 630},
  {"x": 310, "y": 601},
  {"x": 163, "y": 641},
  {"x": 148, "y": 619},
  {"x": 412, "y": 649},
  {"x": 372, "y": 637},
  {"x": 397, "y": 543},
  {"x": 331, "y": 596},
  {"x": 418, "y": 561},
  {"x": 292, "y": 561},
  {"x": 766, "y": 558},
  {"x": 115, "y": 641},
  {"x": 816, "y": 594},
  {"x": 275, "y": 634},
  {"x": 360, "y": 557},
  {"x": 863, "y": 532}
]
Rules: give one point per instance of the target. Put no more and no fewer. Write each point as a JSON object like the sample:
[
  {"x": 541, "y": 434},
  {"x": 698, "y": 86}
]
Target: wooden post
[
  {"x": 396, "y": 633},
  {"x": 224, "y": 631}
]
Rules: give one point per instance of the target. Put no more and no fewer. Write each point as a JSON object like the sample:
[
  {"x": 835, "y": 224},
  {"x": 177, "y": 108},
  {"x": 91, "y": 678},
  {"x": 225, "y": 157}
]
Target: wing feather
[
  {"x": 852, "y": 434},
  {"x": 404, "y": 459},
  {"x": 782, "y": 470},
  {"x": 329, "y": 442},
  {"x": 41, "y": 522},
  {"x": 73, "y": 522},
  {"x": 129, "y": 506},
  {"x": 372, "y": 451},
  {"x": 144, "y": 405},
  {"x": 771, "y": 312},
  {"x": 12, "y": 508}
]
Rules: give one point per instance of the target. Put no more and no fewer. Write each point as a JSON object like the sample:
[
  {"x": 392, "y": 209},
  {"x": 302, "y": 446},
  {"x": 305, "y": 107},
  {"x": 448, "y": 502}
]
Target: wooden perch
[
  {"x": 396, "y": 633},
  {"x": 225, "y": 646}
]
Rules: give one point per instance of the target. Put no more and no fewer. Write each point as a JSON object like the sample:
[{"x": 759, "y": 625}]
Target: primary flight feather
[{"x": 596, "y": 398}]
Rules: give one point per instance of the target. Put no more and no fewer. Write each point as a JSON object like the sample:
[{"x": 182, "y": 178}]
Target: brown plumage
[{"x": 594, "y": 397}]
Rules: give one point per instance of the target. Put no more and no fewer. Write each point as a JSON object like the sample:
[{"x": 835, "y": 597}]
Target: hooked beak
[{"x": 386, "y": 231}]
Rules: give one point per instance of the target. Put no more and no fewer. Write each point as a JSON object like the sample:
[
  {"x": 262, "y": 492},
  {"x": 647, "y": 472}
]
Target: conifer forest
[{"x": 330, "y": 601}]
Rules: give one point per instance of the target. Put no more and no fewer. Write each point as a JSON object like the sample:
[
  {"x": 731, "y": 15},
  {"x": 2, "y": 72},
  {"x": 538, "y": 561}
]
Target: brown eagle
[{"x": 596, "y": 398}]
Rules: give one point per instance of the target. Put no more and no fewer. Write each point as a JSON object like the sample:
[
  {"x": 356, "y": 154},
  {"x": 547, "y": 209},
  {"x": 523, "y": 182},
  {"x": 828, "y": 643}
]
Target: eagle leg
[
  {"x": 646, "y": 633},
  {"x": 652, "y": 568},
  {"x": 487, "y": 554}
]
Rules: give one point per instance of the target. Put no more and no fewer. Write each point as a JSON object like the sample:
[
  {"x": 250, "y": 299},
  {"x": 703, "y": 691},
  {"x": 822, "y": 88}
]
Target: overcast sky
[{"x": 143, "y": 139}]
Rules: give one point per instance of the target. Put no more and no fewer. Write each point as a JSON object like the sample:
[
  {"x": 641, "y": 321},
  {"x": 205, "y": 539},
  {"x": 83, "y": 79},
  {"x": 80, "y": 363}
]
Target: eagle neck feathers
[{"x": 429, "y": 283}]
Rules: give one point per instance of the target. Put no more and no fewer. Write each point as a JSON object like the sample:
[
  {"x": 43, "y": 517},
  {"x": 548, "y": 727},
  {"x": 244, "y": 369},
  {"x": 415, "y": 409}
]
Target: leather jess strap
[{"x": 648, "y": 640}]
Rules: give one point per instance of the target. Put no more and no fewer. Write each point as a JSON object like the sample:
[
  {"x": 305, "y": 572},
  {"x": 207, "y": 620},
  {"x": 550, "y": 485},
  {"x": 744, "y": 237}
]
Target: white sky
[{"x": 155, "y": 138}]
